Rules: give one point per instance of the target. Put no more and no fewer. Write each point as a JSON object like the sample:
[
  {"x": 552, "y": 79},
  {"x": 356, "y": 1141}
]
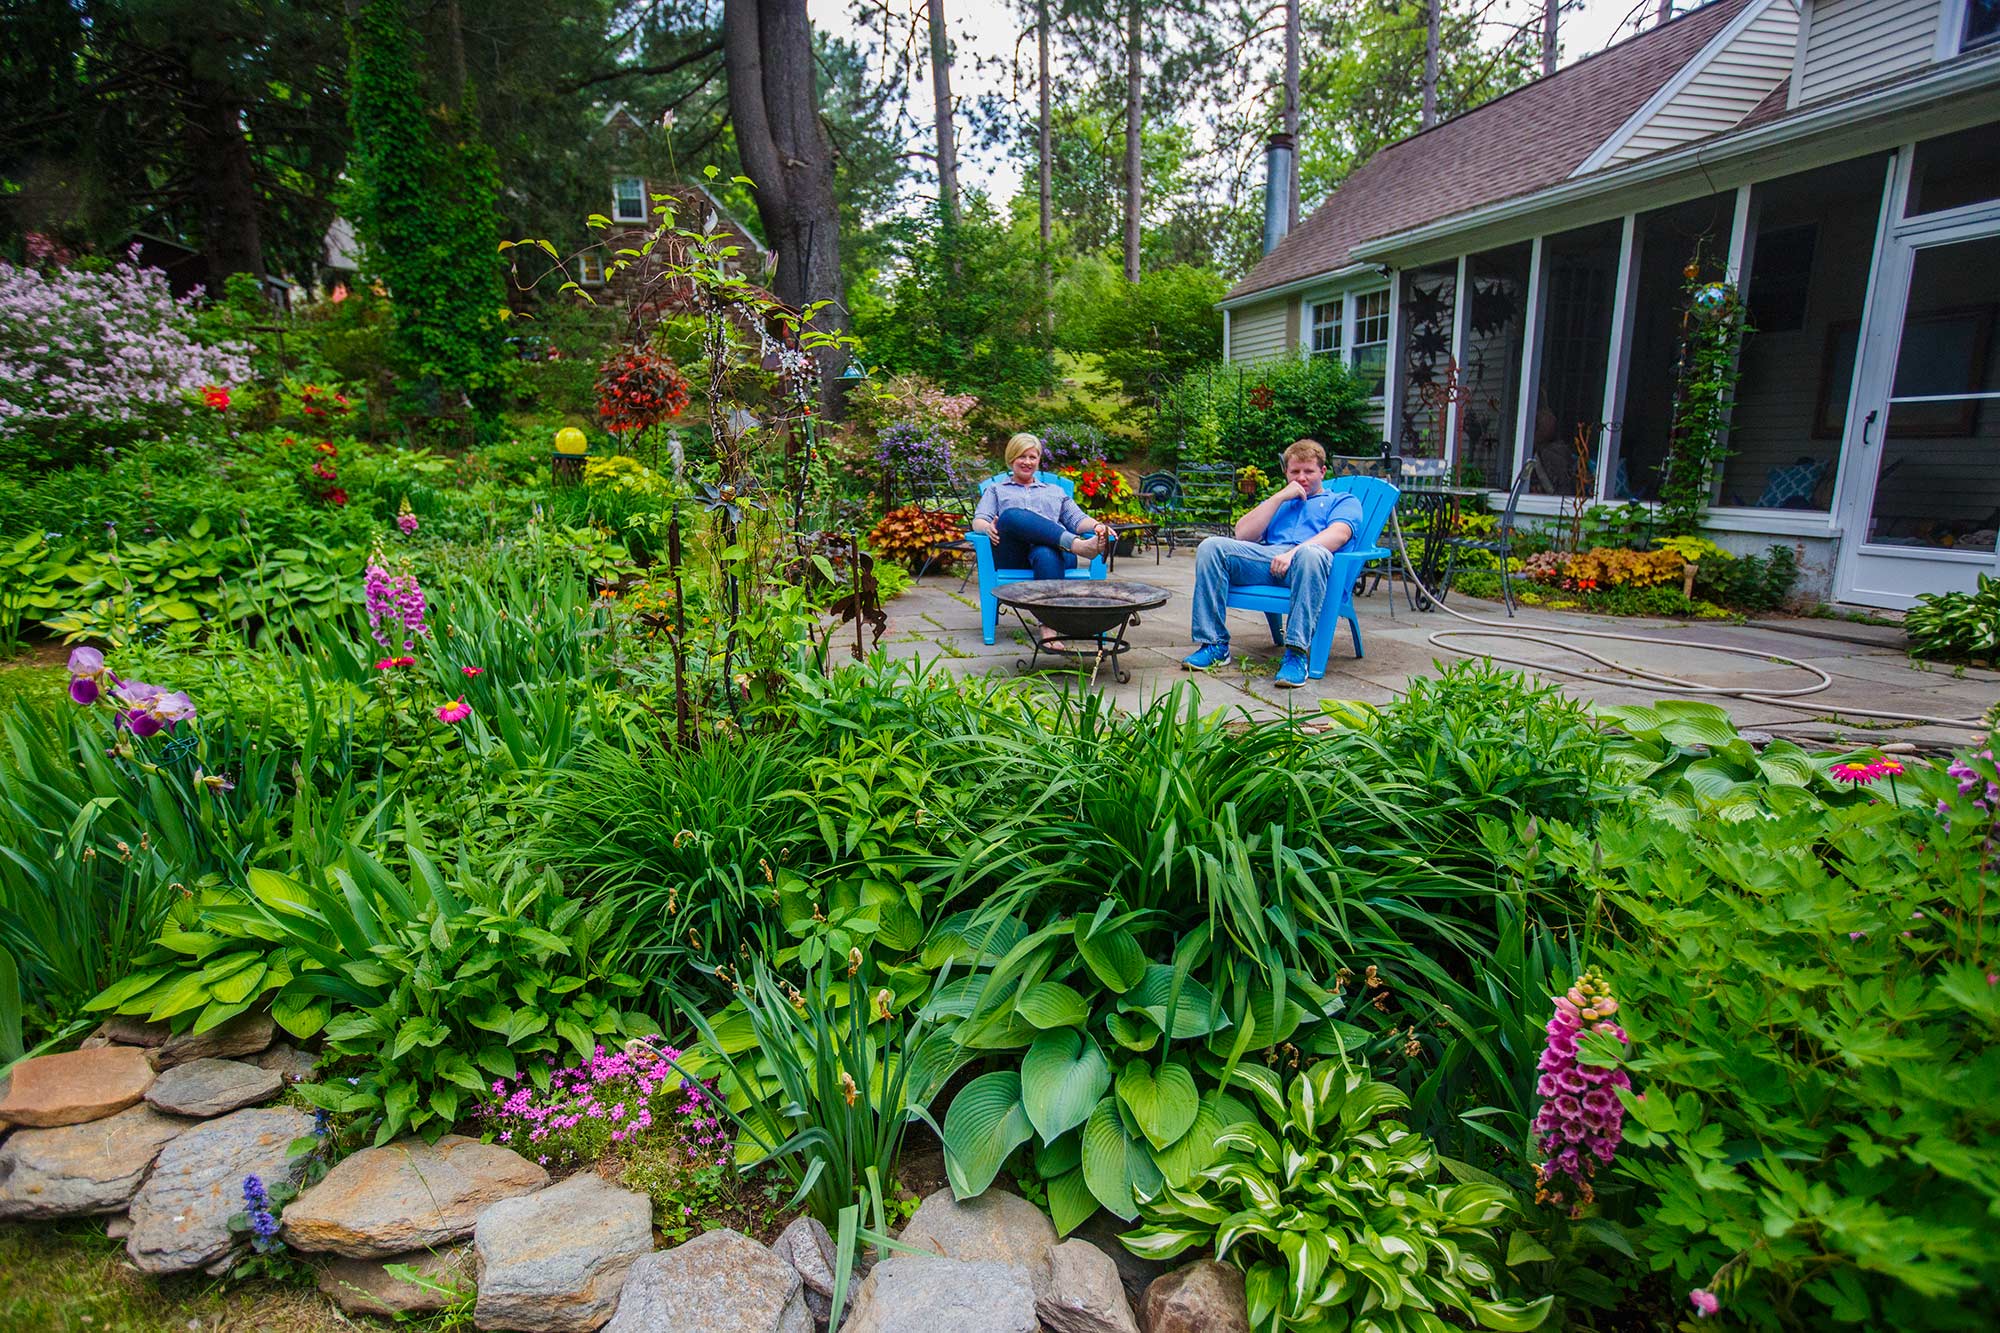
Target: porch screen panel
[
  {"x": 1811, "y": 251},
  {"x": 1428, "y": 305},
  {"x": 1580, "y": 269},
  {"x": 1939, "y": 482},
  {"x": 1670, "y": 241},
  {"x": 1956, "y": 170},
  {"x": 1495, "y": 316}
]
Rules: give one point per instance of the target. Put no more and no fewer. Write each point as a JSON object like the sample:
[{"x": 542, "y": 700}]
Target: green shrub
[{"x": 1232, "y": 413}]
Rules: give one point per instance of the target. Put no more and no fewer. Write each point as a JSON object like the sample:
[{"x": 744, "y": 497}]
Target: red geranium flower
[{"x": 216, "y": 397}]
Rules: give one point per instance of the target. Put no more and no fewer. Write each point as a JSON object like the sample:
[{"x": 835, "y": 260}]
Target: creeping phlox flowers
[
  {"x": 1581, "y": 1120},
  {"x": 143, "y": 710},
  {"x": 609, "y": 1098},
  {"x": 395, "y": 601}
]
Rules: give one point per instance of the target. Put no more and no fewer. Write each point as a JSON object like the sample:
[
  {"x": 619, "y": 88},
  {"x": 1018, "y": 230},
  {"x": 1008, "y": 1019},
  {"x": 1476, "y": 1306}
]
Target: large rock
[
  {"x": 555, "y": 1260},
  {"x": 409, "y": 1195},
  {"x": 245, "y": 1034},
  {"x": 1084, "y": 1294},
  {"x": 908, "y": 1293},
  {"x": 1202, "y": 1297},
  {"x": 180, "y": 1217},
  {"x": 1138, "y": 1273},
  {"x": 288, "y": 1062},
  {"x": 719, "y": 1282},
  {"x": 75, "y": 1087},
  {"x": 123, "y": 1030},
  {"x": 76, "y": 1170},
  {"x": 366, "y": 1286},
  {"x": 996, "y": 1227},
  {"x": 211, "y": 1087},
  {"x": 807, "y": 1247}
]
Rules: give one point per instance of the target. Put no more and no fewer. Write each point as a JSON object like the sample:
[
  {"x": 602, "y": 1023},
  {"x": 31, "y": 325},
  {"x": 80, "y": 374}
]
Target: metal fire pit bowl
[{"x": 1094, "y": 610}]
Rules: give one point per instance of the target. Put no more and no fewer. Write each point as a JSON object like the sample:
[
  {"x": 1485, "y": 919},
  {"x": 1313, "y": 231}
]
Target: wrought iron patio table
[{"x": 1438, "y": 506}]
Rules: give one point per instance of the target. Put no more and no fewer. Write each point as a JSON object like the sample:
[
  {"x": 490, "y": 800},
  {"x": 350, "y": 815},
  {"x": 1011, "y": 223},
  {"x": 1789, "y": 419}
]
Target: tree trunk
[
  {"x": 454, "y": 51},
  {"x": 947, "y": 148},
  {"x": 1291, "y": 125},
  {"x": 1666, "y": 10},
  {"x": 1431, "y": 63},
  {"x": 773, "y": 103},
  {"x": 226, "y": 193},
  {"x": 1043, "y": 171},
  {"x": 1134, "y": 198},
  {"x": 1549, "y": 11}
]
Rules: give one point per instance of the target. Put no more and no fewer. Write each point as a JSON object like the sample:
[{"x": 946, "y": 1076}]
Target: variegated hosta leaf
[
  {"x": 1162, "y": 1243},
  {"x": 1238, "y": 1225},
  {"x": 1257, "y": 1188},
  {"x": 1253, "y": 1141},
  {"x": 1306, "y": 1257}
]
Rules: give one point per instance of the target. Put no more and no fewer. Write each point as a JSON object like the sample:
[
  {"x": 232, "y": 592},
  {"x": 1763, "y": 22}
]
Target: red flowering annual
[
  {"x": 216, "y": 396},
  {"x": 337, "y": 496},
  {"x": 323, "y": 472},
  {"x": 637, "y": 389}
]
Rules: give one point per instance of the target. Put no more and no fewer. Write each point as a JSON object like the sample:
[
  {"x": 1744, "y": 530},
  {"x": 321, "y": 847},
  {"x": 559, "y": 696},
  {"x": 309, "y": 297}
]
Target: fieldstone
[
  {"x": 408, "y": 1195},
  {"x": 1084, "y": 1294},
  {"x": 996, "y": 1227},
  {"x": 719, "y": 1282},
  {"x": 288, "y": 1062},
  {"x": 245, "y": 1034},
  {"x": 807, "y": 1247},
  {"x": 366, "y": 1286},
  {"x": 126, "y": 1030},
  {"x": 118, "y": 1226},
  {"x": 78, "y": 1170},
  {"x": 180, "y": 1217},
  {"x": 555, "y": 1260},
  {"x": 909, "y": 1293},
  {"x": 1202, "y": 1297},
  {"x": 210, "y": 1087},
  {"x": 75, "y": 1087}
]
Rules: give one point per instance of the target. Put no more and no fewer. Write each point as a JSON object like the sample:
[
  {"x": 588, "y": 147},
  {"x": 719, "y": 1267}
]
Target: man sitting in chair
[{"x": 1287, "y": 541}]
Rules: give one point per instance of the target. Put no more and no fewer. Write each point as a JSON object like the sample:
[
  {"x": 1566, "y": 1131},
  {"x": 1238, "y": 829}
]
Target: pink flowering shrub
[
  {"x": 613, "y": 1097},
  {"x": 96, "y": 357},
  {"x": 1581, "y": 1120}
]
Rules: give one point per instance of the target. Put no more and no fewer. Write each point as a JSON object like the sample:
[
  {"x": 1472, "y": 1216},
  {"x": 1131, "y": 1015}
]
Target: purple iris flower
[{"x": 86, "y": 668}]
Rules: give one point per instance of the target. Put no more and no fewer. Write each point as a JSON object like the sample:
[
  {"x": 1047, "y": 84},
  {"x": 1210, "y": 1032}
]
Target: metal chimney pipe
[{"x": 1277, "y": 190}]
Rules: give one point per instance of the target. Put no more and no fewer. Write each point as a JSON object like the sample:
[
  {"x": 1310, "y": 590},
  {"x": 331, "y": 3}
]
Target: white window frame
[
  {"x": 1354, "y": 342},
  {"x": 1953, "y": 18},
  {"x": 586, "y": 261},
  {"x": 618, "y": 213},
  {"x": 1337, "y": 325}
]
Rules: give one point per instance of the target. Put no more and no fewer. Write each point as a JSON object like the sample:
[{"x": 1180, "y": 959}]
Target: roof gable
[{"x": 1524, "y": 141}]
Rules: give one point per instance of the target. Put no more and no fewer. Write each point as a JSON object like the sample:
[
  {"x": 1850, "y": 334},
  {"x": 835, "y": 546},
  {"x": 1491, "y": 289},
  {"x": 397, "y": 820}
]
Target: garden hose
[{"x": 1643, "y": 678}]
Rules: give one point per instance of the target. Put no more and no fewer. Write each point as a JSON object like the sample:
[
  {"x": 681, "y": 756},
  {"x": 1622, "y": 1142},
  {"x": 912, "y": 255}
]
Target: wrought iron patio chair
[
  {"x": 1501, "y": 544},
  {"x": 1191, "y": 502}
]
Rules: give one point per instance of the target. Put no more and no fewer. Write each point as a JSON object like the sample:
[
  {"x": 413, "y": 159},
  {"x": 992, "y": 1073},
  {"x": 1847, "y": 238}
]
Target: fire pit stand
[{"x": 1096, "y": 610}]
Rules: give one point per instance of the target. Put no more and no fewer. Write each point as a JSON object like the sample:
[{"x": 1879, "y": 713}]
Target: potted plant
[{"x": 1128, "y": 542}]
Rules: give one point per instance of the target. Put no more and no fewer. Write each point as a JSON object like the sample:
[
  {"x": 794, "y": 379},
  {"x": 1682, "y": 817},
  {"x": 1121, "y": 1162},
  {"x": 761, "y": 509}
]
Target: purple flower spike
[{"x": 1594, "y": 1120}]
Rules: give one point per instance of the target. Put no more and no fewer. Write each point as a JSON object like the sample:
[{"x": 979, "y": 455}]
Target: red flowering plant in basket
[
  {"x": 1100, "y": 487},
  {"x": 637, "y": 389}
]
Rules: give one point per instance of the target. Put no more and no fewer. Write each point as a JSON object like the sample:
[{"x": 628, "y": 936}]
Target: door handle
[{"x": 1867, "y": 424}]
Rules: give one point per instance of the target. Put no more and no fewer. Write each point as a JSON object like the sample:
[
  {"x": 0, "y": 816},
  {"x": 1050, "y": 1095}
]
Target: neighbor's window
[
  {"x": 1369, "y": 351},
  {"x": 590, "y": 269},
  {"x": 1326, "y": 327},
  {"x": 1982, "y": 23},
  {"x": 629, "y": 199}
]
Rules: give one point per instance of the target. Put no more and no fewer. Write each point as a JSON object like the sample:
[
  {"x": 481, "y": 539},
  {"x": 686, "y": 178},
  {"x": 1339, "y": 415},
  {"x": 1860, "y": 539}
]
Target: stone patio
[{"x": 936, "y": 621}]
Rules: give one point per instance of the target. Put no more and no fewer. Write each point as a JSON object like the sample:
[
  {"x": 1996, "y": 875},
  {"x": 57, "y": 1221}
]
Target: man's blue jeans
[
  {"x": 1029, "y": 541},
  {"x": 1222, "y": 563}
]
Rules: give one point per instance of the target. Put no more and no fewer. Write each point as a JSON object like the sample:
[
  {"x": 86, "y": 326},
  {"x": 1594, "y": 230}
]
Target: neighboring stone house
[{"x": 1839, "y": 159}]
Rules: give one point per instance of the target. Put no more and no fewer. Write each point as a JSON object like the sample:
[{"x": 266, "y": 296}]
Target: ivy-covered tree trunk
[
  {"x": 425, "y": 192},
  {"x": 774, "y": 104}
]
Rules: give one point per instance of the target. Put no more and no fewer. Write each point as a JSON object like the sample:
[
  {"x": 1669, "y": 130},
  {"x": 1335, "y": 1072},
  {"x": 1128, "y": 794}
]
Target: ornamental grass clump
[{"x": 1581, "y": 1120}]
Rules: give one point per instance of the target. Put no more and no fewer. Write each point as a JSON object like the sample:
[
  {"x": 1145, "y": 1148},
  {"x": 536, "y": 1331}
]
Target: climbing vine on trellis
[{"x": 1713, "y": 327}]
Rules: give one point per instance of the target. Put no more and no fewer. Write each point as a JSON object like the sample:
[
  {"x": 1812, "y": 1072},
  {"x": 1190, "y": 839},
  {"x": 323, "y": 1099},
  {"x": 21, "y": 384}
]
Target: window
[
  {"x": 1326, "y": 327},
  {"x": 1579, "y": 270},
  {"x": 629, "y": 199},
  {"x": 590, "y": 269},
  {"x": 1369, "y": 348},
  {"x": 1982, "y": 23},
  {"x": 1956, "y": 170}
]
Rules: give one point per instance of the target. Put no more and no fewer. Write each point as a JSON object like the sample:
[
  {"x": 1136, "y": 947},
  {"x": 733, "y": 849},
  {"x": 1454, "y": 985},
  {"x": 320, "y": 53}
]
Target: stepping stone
[
  {"x": 79, "y": 1170},
  {"x": 245, "y": 1034},
  {"x": 554, "y": 1262},
  {"x": 1203, "y": 1297},
  {"x": 366, "y": 1286},
  {"x": 180, "y": 1217},
  {"x": 908, "y": 1293},
  {"x": 210, "y": 1087},
  {"x": 407, "y": 1195},
  {"x": 719, "y": 1282},
  {"x": 75, "y": 1087},
  {"x": 996, "y": 1227},
  {"x": 289, "y": 1062},
  {"x": 1084, "y": 1294}
]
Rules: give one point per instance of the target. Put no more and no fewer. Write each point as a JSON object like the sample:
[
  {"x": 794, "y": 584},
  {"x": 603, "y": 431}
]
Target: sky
[{"x": 984, "y": 34}]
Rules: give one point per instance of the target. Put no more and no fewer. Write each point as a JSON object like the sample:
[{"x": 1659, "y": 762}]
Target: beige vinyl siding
[
  {"x": 1726, "y": 89},
  {"x": 1263, "y": 332},
  {"x": 1851, "y": 43}
]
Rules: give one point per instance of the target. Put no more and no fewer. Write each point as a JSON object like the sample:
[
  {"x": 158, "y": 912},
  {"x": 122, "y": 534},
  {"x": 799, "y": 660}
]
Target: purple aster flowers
[
  {"x": 143, "y": 710},
  {"x": 395, "y": 601},
  {"x": 1581, "y": 1120}
]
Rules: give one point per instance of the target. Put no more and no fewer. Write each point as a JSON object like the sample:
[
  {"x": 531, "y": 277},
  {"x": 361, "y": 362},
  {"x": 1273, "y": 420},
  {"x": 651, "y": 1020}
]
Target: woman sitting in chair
[{"x": 1034, "y": 524}]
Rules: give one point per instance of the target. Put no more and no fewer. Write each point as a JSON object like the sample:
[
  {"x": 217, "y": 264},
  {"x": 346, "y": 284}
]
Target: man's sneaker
[
  {"x": 1206, "y": 656},
  {"x": 1292, "y": 672}
]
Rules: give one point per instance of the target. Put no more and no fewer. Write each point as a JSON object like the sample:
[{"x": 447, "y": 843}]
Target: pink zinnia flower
[{"x": 456, "y": 711}]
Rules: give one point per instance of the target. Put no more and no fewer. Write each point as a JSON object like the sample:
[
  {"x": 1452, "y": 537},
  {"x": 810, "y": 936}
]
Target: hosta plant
[{"x": 1331, "y": 1208}]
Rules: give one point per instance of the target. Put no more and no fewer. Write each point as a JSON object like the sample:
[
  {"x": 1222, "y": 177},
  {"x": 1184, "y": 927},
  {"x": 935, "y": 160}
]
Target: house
[{"x": 1838, "y": 159}]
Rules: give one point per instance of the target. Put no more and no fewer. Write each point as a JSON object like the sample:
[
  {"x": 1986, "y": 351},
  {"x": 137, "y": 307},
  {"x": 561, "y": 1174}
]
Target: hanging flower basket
[{"x": 637, "y": 389}]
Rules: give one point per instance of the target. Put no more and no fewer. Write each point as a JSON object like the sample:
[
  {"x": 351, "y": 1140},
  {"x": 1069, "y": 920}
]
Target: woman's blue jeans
[{"x": 1029, "y": 541}]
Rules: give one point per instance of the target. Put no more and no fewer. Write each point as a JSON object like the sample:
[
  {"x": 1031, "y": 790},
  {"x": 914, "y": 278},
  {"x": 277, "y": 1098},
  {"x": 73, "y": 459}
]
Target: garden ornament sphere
[{"x": 570, "y": 440}]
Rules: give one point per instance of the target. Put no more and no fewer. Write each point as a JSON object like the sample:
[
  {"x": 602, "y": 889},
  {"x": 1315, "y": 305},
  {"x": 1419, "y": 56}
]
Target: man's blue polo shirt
[{"x": 1300, "y": 520}]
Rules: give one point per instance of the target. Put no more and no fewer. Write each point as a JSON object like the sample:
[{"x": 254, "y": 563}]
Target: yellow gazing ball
[{"x": 570, "y": 440}]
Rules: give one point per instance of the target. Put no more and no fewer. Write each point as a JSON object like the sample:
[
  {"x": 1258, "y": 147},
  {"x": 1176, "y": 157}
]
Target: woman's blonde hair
[{"x": 1019, "y": 443}]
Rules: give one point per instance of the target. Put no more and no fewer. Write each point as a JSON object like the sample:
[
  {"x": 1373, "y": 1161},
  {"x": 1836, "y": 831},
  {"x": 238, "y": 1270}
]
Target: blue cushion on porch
[{"x": 1792, "y": 487}]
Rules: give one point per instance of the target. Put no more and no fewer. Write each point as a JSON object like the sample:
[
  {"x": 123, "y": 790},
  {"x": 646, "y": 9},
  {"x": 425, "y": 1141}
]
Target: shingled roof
[{"x": 1524, "y": 141}]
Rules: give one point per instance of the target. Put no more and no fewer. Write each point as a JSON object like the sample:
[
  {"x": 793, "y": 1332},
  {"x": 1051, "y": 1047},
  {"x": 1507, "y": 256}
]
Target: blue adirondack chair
[
  {"x": 991, "y": 576},
  {"x": 1378, "y": 501}
]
